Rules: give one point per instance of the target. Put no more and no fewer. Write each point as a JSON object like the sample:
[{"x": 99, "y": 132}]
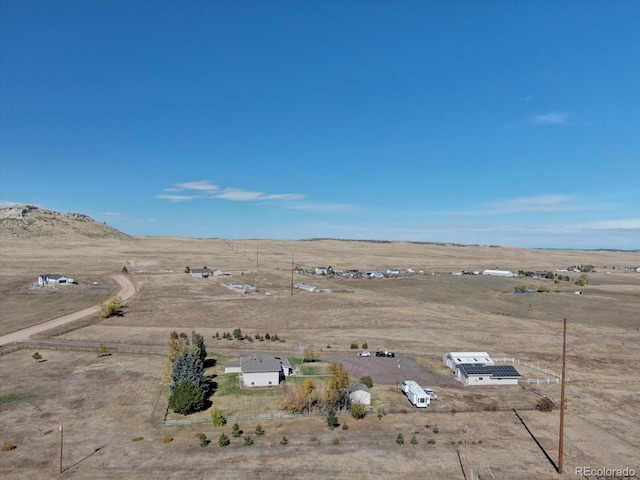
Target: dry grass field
[{"x": 112, "y": 407}]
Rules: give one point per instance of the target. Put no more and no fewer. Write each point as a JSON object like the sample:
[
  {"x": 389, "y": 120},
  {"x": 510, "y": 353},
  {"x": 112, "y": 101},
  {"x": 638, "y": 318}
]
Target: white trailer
[{"x": 416, "y": 394}]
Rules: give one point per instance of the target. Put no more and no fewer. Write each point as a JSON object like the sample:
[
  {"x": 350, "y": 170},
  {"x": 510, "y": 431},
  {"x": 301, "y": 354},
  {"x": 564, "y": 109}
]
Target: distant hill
[{"x": 26, "y": 221}]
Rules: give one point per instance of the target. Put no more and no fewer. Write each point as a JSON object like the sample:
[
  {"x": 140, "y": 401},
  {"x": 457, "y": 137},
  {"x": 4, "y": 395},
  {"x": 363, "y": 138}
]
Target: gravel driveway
[{"x": 384, "y": 370}]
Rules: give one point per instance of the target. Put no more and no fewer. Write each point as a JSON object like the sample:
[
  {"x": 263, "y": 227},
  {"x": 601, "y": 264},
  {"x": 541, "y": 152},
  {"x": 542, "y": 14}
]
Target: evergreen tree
[
  {"x": 188, "y": 366},
  {"x": 186, "y": 398}
]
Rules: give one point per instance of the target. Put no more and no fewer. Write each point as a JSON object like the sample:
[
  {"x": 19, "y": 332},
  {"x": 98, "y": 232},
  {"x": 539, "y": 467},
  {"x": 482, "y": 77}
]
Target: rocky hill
[{"x": 26, "y": 221}]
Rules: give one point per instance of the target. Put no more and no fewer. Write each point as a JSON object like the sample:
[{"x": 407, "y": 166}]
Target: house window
[{"x": 269, "y": 382}]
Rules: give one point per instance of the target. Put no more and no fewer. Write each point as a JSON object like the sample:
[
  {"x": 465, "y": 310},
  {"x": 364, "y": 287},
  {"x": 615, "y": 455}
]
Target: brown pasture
[{"x": 108, "y": 402}]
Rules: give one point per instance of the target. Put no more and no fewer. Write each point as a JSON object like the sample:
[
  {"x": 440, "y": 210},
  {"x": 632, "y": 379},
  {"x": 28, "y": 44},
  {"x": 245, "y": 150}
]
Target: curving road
[{"x": 127, "y": 290}]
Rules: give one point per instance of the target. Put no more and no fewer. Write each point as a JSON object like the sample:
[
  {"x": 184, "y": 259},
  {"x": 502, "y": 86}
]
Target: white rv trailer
[{"x": 416, "y": 394}]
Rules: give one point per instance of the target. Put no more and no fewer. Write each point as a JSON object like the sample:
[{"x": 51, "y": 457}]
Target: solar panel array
[{"x": 493, "y": 370}]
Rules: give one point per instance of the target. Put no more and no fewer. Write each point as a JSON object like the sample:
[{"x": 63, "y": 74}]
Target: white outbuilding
[
  {"x": 359, "y": 393},
  {"x": 471, "y": 374},
  {"x": 453, "y": 359},
  {"x": 499, "y": 273}
]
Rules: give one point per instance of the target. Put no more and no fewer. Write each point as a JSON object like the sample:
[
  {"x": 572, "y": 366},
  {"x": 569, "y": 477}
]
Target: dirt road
[{"x": 127, "y": 290}]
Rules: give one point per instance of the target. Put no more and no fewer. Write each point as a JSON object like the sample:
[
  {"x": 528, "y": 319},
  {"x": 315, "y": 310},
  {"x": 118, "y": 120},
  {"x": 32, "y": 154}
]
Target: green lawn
[{"x": 16, "y": 397}]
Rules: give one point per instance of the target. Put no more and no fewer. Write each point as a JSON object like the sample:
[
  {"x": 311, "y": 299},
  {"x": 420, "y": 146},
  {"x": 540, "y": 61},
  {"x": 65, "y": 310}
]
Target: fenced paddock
[{"x": 555, "y": 377}]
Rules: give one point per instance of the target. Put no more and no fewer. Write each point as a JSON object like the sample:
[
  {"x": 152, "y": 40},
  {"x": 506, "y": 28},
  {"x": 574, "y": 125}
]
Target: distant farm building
[
  {"x": 202, "y": 272},
  {"x": 303, "y": 286},
  {"x": 373, "y": 274},
  {"x": 54, "y": 279},
  {"x": 499, "y": 273},
  {"x": 239, "y": 287},
  {"x": 322, "y": 270}
]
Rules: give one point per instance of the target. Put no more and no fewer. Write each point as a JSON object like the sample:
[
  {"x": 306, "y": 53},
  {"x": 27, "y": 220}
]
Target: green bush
[
  {"x": 235, "y": 430},
  {"x": 367, "y": 381},
  {"x": 545, "y": 404},
  {"x": 218, "y": 419},
  {"x": 358, "y": 410},
  {"x": 414, "y": 440},
  {"x": 248, "y": 441},
  {"x": 204, "y": 441},
  {"x": 284, "y": 440},
  {"x": 400, "y": 439},
  {"x": 259, "y": 430},
  {"x": 223, "y": 441}
]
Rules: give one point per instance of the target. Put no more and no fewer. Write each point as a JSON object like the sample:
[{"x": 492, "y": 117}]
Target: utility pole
[
  {"x": 61, "y": 435},
  {"x": 292, "y": 261},
  {"x": 564, "y": 363},
  {"x": 257, "y": 250}
]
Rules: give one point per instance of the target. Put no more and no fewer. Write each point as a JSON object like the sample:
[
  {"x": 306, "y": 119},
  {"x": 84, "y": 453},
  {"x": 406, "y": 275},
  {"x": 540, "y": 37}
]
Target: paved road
[{"x": 127, "y": 290}]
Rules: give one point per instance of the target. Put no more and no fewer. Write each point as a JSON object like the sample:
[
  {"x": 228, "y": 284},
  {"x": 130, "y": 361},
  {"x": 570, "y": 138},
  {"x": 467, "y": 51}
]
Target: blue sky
[{"x": 487, "y": 122}]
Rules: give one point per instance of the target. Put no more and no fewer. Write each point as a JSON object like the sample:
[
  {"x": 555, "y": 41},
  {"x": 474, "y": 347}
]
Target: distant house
[
  {"x": 53, "y": 279},
  {"x": 453, "y": 359},
  {"x": 260, "y": 370},
  {"x": 322, "y": 270},
  {"x": 499, "y": 273},
  {"x": 359, "y": 393},
  {"x": 475, "y": 374}
]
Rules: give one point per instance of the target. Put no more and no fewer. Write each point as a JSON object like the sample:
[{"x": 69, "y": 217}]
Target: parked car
[
  {"x": 385, "y": 353},
  {"x": 432, "y": 395},
  {"x": 365, "y": 353}
]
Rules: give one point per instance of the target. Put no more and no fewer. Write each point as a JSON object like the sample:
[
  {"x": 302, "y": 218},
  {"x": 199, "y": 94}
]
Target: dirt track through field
[{"x": 127, "y": 290}]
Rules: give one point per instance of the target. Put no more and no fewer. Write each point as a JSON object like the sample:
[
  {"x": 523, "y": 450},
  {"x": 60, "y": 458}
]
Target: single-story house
[
  {"x": 302, "y": 286},
  {"x": 53, "y": 278},
  {"x": 475, "y": 374},
  {"x": 453, "y": 359},
  {"x": 499, "y": 273},
  {"x": 260, "y": 369},
  {"x": 322, "y": 270},
  {"x": 359, "y": 393}
]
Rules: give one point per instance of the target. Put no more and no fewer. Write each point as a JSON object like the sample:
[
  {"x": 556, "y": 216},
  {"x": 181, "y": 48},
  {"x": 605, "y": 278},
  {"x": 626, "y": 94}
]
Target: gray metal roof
[{"x": 260, "y": 362}]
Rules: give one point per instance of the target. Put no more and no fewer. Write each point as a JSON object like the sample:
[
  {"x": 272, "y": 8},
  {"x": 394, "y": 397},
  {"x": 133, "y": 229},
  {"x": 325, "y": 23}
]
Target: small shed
[{"x": 359, "y": 393}]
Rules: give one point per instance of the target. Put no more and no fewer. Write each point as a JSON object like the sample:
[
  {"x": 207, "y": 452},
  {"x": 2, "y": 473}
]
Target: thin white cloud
[
  {"x": 204, "y": 189},
  {"x": 624, "y": 224},
  {"x": 551, "y": 118},
  {"x": 175, "y": 198},
  {"x": 314, "y": 207},
  {"x": 539, "y": 203},
  {"x": 204, "y": 185}
]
